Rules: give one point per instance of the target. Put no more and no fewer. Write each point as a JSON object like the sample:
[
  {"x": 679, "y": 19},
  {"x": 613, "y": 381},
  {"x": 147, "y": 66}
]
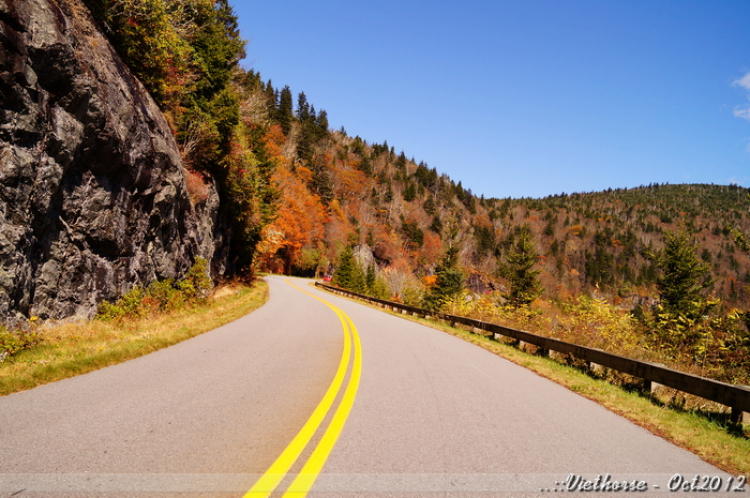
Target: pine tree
[
  {"x": 413, "y": 233},
  {"x": 518, "y": 269},
  {"x": 370, "y": 278},
  {"x": 303, "y": 108},
  {"x": 410, "y": 192},
  {"x": 683, "y": 276},
  {"x": 429, "y": 206},
  {"x": 437, "y": 225},
  {"x": 322, "y": 124},
  {"x": 349, "y": 274},
  {"x": 284, "y": 112},
  {"x": 449, "y": 282},
  {"x": 218, "y": 48},
  {"x": 401, "y": 162}
]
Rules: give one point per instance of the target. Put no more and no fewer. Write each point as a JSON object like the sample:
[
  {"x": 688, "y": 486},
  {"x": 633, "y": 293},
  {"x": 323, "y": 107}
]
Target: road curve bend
[{"x": 392, "y": 408}]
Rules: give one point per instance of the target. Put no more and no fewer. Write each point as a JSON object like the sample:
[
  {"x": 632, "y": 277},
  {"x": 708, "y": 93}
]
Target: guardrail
[{"x": 734, "y": 396}]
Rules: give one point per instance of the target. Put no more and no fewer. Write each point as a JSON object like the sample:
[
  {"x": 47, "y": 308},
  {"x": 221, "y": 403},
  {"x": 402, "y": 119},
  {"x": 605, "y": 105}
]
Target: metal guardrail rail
[{"x": 734, "y": 396}]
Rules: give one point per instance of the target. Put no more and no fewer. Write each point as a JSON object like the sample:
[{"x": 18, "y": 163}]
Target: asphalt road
[{"x": 431, "y": 416}]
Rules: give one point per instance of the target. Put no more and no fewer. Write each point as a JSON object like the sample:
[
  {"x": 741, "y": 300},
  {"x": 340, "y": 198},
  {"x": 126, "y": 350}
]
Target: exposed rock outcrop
[{"x": 92, "y": 192}]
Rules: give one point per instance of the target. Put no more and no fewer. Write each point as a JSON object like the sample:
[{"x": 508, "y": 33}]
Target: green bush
[
  {"x": 200, "y": 283},
  {"x": 165, "y": 296},
  {"x": 13, "y": 341},
  {"x": 160, "y": 296}
]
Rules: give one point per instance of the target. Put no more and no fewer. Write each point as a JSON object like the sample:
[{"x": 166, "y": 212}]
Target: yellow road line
[
  {"x": 306, "y": 478},
  {"x": 279, "y": 469}
]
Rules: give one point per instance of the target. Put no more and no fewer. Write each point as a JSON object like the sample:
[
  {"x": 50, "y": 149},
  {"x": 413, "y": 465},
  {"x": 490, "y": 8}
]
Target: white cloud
[
  {"x": 744, "y": 82},
  {"x": 742, "y": 112}
]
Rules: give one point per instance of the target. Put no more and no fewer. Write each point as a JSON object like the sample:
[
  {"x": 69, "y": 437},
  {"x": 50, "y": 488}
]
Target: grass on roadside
[{"x": 71, "y": 349}]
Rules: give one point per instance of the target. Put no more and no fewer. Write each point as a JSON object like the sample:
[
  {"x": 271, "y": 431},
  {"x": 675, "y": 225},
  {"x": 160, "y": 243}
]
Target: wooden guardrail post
[{"x": 736, "y": 416}]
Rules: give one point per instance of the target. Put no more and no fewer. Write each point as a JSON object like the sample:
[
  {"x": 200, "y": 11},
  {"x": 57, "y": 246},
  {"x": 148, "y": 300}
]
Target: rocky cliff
[{"x": 93, "y": 197}]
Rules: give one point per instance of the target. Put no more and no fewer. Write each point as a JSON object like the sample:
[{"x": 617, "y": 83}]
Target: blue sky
[{"x": 524, "y": 98}]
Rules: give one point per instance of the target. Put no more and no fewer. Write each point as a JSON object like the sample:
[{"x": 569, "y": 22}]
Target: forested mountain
[
  {"x": 273, "y": 157},
  {"x": 297, "y": 194},
  {"x": 338, "y": 191},
  {"x": 297, "y": 197}
]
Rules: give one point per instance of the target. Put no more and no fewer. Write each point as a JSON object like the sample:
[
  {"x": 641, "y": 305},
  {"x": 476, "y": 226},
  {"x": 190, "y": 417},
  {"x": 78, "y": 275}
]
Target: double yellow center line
[{"x": 310, "y": 471}]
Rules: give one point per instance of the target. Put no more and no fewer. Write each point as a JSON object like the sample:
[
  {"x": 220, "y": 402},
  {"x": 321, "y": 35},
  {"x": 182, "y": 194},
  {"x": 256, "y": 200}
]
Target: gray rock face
[{"x": 92, "y": 191}]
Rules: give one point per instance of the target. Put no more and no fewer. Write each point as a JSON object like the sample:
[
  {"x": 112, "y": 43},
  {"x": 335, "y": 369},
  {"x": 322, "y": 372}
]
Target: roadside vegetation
[{"x": 143, "y": 321}]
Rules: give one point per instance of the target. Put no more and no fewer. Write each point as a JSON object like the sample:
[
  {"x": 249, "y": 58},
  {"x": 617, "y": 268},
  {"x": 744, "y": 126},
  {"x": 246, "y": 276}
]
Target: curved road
[{"x": 431, "y": 416}]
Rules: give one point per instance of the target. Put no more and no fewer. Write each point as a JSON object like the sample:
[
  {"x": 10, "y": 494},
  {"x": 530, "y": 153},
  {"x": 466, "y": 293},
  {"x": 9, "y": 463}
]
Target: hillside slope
[{"x": 403, "y": 217}]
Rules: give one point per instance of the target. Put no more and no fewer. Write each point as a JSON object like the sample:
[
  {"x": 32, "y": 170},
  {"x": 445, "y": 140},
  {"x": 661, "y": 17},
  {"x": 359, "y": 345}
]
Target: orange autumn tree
[{"x": 301, "y": 216}]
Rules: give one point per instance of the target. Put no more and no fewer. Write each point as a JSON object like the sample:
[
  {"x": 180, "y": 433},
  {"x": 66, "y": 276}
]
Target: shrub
[
  {"x": 13, "y": 341},
  {"x": 160, "y": 296},
  {"x": 196, "y": 186},
  {"x": 164, "y": 296},
  {"x": 197, "y": 284}
]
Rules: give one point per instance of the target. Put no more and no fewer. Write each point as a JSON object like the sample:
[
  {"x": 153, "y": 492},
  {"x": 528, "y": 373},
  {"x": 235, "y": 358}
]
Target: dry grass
[{"x": 70, "y": 349}]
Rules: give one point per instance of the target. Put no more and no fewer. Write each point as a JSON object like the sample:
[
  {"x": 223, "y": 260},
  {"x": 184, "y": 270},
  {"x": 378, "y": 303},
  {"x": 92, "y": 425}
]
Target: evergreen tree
[
  {"x": 485, "y": 238},
  {"x": 429, "y": 206},
  {"x": 322, "y": 183},
  {"x": 401, "y": 162},
  {"x": 305, "y": 149},
  {"x": 271, "y": 94},
  {"x": 388, "y": 194},
  {"x": 683, "y": 276},
  {"x": 410, "y": 192},
  {"x": 322, "y": 124},
  {"x": 218, "y": 49},
  {"x": 518, "y": 269},
  {"x": 284, "y": 112},
  {"x": 413, "y": 233},
  {"x": 349, "y": 274},
  {"x": 303, "y": 108},
  {"x": 449, "y": 282},
  {"x": 600, "y": 267},
  {"x": 365, "y": 165},
  {"x": 370, "y": 278},
  {"x": 437, "y": 225}
]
